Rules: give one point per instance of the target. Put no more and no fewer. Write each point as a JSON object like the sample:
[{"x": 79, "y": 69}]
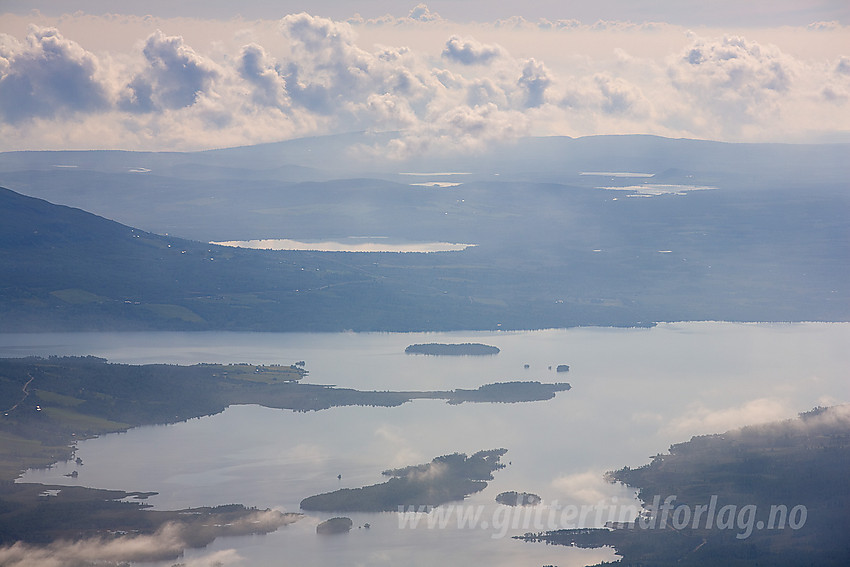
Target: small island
[
  {"x": 339, "y": 525},
  {"x": 563, "y": 368},
  {"x": 420, "y": 487},
  {"x": 464, "y": 349},
  {"x": 513, "y": 498}
]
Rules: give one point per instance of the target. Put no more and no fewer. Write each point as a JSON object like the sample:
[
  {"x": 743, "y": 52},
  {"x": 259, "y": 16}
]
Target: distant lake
[
  {"x": 616, "y": 174},
  {"x": 350, "y": 244},
  {"x": 437, "y": 184},
  {"x": 634, "y": 392},
  {"x": 655, "y": 189}
]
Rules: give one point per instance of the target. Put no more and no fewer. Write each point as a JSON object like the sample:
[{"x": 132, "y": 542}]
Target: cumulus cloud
[
  {"x": 733, "y": 80},
  {"x": 307, "y": 75},
  {"x": 535, "y": 80},
  {"x": 257, "y": 68},
  {"x": 619, "y": 96},
  {"x": 483, "y": 91},
  {"x": 482, "y": 123},
  {"x": 545, "y": 24},
  {"x": 328, "y": 70},
  {"x": 418, "y": 15},
  {"x": 470, "y": 52},
  {"x": 326, "y": 66},
  {"x": 619, "y": 25},
  {"x": 513, "y": 22},
  {"x": 836, "y": 87},
  {"x": 48, "y": 76},
  {"x": 175, "y": 76},
  {"x": 461, "y": 128},
  {"x": 738, "y": 64},
  {"x": 390, "y": 111},
  {"x": 421, "y": 13}
]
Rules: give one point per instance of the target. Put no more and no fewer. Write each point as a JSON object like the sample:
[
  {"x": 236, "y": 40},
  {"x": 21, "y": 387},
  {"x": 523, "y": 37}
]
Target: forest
[{"x": 792, "y": 475}]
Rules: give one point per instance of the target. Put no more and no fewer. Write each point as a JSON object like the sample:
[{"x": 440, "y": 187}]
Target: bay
[{"x": 635, "y": 391}]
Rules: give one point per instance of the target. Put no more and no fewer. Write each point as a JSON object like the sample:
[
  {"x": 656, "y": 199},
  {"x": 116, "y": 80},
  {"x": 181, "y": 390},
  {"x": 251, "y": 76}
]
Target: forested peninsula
[
  {"x": 777, "y": 494},
  {"x": 49, "y": 403}
]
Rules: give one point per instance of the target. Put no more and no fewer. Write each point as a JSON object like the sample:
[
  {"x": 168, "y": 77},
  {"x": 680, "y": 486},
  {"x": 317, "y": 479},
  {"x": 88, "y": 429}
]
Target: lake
[
  {"x": 350, "y": 244},
  {"x": 634, "y": 392}
]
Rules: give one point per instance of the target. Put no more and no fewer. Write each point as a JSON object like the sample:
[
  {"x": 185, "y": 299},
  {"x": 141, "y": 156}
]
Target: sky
[{"x": 449, "y": 76}]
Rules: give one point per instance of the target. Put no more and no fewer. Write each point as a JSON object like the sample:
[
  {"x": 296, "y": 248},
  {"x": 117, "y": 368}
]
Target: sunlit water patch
[
  {"x": 654, "y": 190},
  {"x": 436, "y": 174},
  {"x": 350, "y": 244},
  {"x": 437, "y": 184},
  {"x": 616, "y": 174}
]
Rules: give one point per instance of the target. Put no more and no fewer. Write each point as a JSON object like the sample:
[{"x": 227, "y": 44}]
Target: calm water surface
[{"x": 635, "y": 391}]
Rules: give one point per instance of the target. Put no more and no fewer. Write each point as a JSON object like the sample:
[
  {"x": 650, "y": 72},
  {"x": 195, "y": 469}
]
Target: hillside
[
  {"x": 66, "y": 269},
  {"x": 608, "y": 230}
]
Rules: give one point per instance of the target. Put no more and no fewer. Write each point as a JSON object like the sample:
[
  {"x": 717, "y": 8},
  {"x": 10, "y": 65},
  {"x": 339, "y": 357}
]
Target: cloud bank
[
  {"x": 167, "y": 543},
  {"x": 453, "y": 87}
]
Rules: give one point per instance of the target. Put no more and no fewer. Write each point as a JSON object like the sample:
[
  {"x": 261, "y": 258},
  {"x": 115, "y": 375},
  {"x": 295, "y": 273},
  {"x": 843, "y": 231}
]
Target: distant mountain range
[{"x": 609, "y": 230}]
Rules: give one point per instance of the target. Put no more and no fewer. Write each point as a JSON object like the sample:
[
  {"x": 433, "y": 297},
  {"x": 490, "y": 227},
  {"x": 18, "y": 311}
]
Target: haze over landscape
[{"x": 276, "y": 270}]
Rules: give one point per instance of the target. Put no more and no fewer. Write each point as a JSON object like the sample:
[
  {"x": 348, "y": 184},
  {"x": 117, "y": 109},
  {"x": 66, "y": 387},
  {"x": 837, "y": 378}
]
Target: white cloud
[
  {"x": 545, "y": 24},
  {"x": 257, "y": 68},
  {"x": 421, "y": 13},
  {"x": 483, "y": 91},
  {"x": 732, "y": 81},
  {"x": 470, "y": 52},
  {"x": 388, "y": 112},
  {"x": 328, "y": 69},
  {"x": 168, "y": 542},
  {"x": 603, "y": 94},
  {"x": 836, "y": 88},
  {"x": 175, "y": 76},
  {"x": 48, "y": 76},
  {"x": 448, "y": 86},
  {"x": 534, "y": 80},
  {"x": 700, "y": 420}
]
